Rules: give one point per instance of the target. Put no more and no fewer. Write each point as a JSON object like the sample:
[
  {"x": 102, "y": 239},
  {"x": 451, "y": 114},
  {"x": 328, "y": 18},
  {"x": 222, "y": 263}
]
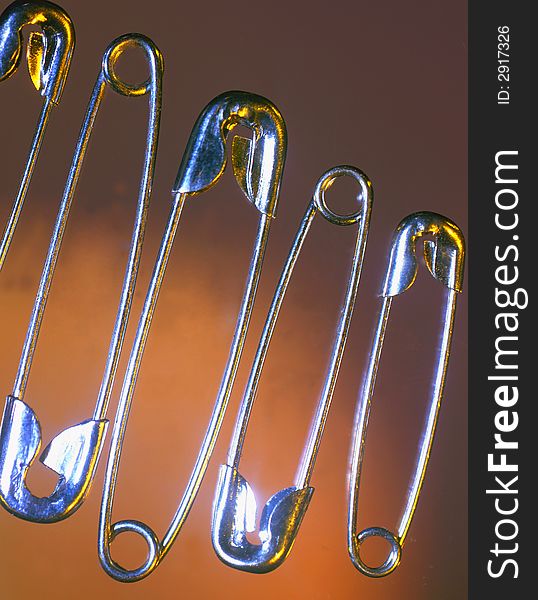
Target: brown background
[{"x": 378, "y": 85}]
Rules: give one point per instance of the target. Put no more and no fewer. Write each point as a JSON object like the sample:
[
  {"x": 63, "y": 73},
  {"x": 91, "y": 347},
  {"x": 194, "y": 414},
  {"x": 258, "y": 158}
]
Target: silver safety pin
[
  {"x": 73, "y": 454},
  {"x": 48, "y": 56},
  {"x": 235, "y": 506},
  {"x": 444, "y": 256},
  {"x": 257, "y": 165}
]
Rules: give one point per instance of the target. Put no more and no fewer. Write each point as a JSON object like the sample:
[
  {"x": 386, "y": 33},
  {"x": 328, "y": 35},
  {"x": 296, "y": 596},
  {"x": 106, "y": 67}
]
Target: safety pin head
[
  {"x": 234, "y": 515},
  {"x": 73, "y": 455},
  {"x": 258, "y": 163},
  {"x": 49, "y": 51},
  {"x": 444, "y": 254}
]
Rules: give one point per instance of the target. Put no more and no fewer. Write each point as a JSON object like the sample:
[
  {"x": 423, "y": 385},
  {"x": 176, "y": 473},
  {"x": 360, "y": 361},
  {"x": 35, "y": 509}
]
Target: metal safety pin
[
  {"x": 444, "y": 256},
  {"x": 257, "y": 165},
  {"x": 48, "y": 56},
  {"x": 73, "y": 454},
  {"x": 234, "y": 510}
]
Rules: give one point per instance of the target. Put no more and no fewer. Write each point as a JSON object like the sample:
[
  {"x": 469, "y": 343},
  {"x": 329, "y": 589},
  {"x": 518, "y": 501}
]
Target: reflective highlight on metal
[
  {"x": 257, "y": 166},
  {"x": 235, "y": 506},
  {"x": 257, "y": 163},
  {"x": 444, "y": 256},
  {"x": 48, "y": 56},
  {"x": 73, "y": 454}
]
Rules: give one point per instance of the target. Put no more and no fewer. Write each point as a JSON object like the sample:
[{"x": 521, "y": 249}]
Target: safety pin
[
  {"x": 73, "y": 454},
  {"x": 444, "y": 256},
  {"x": 234, "y": 510},
  {"x": 257, "y": 165},
  {"x": 48, "y": 56}
]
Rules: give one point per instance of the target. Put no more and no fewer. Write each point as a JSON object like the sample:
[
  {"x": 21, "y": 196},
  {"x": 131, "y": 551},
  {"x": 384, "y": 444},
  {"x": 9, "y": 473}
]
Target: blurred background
[{"x": 378, "y": 85}]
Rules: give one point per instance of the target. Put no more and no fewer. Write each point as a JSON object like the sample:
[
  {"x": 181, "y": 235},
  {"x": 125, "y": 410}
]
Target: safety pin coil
[
  {"x": 444, "y": 256},
  {"x": 73, "y": 454},
  {"x": 49, "y": 54},
  {"x": 258, "y": 165},
  {"x": 235, "y": 506}
]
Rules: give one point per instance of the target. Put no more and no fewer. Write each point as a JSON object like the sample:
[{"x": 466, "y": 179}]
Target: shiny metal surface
[
  {"x": 234, "y": 510},
  {"x": 235, "y": 515},
  {"x": 49, "y": 54},
  {"x": 257, "y": 162},
  {"x": 444, "y": 256},
  {"x": 74, "y": 453},
  {"x": 202, "y": 165}
]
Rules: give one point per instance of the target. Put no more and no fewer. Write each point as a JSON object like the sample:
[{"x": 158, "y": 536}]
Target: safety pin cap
[
  {"x": 73, "y": 452},
  {"x": 234, "y": 516},
  {"x": 49, "y": 52},
  {"x": 72, "y": 455},
  {"x": 258, "y": 163},
  {"x": 444, "y": 254}
]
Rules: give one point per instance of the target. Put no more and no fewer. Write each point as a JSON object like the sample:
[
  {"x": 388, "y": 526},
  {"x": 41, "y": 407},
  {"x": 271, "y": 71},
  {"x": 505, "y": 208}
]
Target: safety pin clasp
[
  {"x": 73, "y": 455},
  {"x": 257, "y": 163},
  {"x": 49, "y": 51},
  {"x": 234, "y": 515},
  {"x": 444, "y": 254}
]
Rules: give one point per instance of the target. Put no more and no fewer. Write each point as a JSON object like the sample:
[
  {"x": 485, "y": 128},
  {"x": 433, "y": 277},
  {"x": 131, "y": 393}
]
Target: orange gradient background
[{"x": 378, "y": 85}]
